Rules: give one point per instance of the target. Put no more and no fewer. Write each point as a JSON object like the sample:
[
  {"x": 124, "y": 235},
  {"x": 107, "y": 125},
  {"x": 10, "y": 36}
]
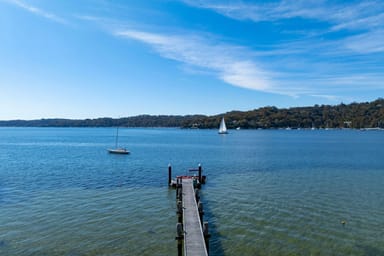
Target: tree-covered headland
[{"x": 354, "y": 115}]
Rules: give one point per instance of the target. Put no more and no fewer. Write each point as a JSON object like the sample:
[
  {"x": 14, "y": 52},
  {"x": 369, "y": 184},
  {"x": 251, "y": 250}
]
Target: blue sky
[{"x": 98, "y": 58}]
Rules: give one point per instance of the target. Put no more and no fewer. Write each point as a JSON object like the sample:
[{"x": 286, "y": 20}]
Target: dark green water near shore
[{"x": 272, "y": 192}]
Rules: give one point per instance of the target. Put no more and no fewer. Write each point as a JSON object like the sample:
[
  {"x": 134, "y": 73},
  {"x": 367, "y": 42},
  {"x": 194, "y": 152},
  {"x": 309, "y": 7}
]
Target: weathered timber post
[
  {"x": 201, "y": 211},
  {"x": 197, "y": 195},
  {"x": 179, "y": 238},
  {"x": 169, "y": 174},
  {"x": 179, "y": 199},
  {"x": 179, "y": 192},
  {"x": 179, "y": 211},
  {"x": 195, "y": 183},
  {"x": 203, "y": 179},
  {"x": 200, "y": 173},
  {"x": 206, "y": 235}
]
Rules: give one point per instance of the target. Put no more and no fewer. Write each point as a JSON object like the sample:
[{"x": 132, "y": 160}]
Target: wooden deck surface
[{"x": 194, "y": 243}]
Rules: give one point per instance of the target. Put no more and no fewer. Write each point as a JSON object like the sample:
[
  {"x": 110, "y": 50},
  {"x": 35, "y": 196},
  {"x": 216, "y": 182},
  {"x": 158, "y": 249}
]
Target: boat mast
[{"x": 117, "y": 136}]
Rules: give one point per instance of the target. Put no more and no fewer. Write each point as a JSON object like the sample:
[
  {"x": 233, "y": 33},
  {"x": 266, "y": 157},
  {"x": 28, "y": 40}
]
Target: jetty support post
[
  {"x": 206, "y": 235},
  {"x": 179, "y": 211},
  {"x": 179, "y": 192},
  {"x": 200, "y": 173},
  {"x": 197, "y": 195},
  {"x": 169, "y": 174},
  {"x": 179, "y": 199},
  {"x": 201, "y": 211},
  {"x": 179, "y": 237}
]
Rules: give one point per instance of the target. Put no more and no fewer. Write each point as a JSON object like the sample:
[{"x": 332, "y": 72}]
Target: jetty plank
[{"x": 194, "y": 243}]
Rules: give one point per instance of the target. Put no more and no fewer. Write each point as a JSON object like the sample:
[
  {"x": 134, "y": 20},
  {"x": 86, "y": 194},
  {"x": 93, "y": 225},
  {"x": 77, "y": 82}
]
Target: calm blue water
[{"x": 268, "y": 192}]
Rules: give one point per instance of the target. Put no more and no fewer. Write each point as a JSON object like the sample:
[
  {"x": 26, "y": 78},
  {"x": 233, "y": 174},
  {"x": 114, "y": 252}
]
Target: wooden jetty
[
  {"x": 192, "y": 232},
  {"x": 194, "y": 243}
]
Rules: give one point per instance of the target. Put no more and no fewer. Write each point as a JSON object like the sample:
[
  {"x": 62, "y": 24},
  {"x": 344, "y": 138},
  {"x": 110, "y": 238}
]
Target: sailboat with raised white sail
[
  {"x": 118, "y": 150},
  {"x": 223, "y": 127}
]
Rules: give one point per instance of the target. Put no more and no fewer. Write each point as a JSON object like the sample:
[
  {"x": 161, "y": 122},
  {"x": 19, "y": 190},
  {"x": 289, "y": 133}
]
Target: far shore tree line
[{"x": 354, "y": 115}]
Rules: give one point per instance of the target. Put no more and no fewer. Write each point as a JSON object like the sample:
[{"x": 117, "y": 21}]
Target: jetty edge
[{"x": 192, "y": 233}]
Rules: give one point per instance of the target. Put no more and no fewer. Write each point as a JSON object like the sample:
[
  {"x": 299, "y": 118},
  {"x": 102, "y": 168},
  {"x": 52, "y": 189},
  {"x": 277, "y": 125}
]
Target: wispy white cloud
[
  {"x": 365, "y": 18},
  {"x": 327, "y": 97},
  {"x": 38, "y": 11},
  {"x": 264, "y": 11},
  {"x": 294, "y": 74},
  {"x": 307, "y": 66},
  {"x": 370, "y": 42},
  {"x": 340, "y": 15},
  {"x": 357, "y": 22},
  {"x": 225, "y": 61},
  {"x": 313, "y": 63}
]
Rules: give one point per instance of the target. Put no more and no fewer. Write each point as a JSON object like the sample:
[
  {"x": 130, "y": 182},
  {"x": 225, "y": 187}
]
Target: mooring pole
[
  {"x": 200, "y": 173},
  {"x": 169, "y": 174}
]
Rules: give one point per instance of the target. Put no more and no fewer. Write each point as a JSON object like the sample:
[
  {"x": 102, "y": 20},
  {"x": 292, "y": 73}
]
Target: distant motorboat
[
  {"x": 223, "y": 127},
  {"x": 118, "y": 150}
]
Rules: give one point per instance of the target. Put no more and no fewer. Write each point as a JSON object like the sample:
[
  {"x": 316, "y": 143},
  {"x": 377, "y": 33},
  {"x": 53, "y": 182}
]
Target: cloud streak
[
  {"x": 329, "y": 59},
  {"x": 225, "y": 61},
  {"x": 364, "y": 18},
  {"x": 367, "y": 43},
  {"x": 38, "y": 11},
  {"x": 359, "y": 14},
  {"x": 292, "y": 75}
]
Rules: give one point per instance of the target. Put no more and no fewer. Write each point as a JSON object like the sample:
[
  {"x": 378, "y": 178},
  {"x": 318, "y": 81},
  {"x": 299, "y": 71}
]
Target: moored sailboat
[{"x": 118, "y": 150}]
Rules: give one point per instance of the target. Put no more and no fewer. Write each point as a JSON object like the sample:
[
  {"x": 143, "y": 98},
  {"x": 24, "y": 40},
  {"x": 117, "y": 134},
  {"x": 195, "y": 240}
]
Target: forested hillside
[{"x": 354, "y": 115}]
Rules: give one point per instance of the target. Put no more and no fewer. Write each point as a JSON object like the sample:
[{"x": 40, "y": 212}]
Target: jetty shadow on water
[{"x": 215, "y": 246}]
